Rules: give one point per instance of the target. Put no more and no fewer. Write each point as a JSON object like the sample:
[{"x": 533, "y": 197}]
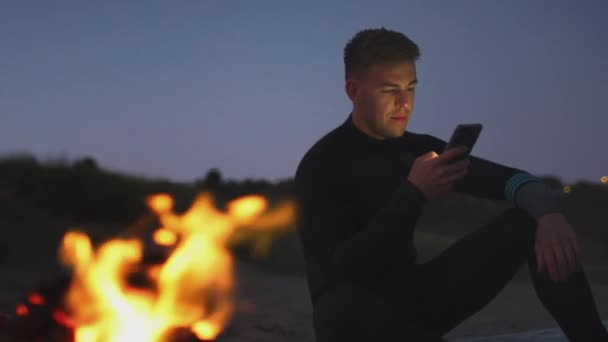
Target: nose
[{"x": 402, "y": 99}]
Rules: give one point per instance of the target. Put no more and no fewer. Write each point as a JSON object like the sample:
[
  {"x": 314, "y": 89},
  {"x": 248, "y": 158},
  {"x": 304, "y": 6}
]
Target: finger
[
  {"x": 441, "y": 189},
  {"x": 578, "y": 251},
  {"x": 575, "y": 248},
  {"x": 540, "y": 265},
  {"x": 454, "y": 176},
  {"x": 571, "y": 257},
  {"x": 455, "y": 167},
  {"x": 549, "y": 259},
  {"x": 561, "y": 264},
  {"x": 450, "y": 154},
  {"x": 442, "y": 171}
]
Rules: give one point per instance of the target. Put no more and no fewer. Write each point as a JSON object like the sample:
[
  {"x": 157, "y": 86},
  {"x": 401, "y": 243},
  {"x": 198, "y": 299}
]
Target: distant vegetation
[{"x": 40, "y": 200}]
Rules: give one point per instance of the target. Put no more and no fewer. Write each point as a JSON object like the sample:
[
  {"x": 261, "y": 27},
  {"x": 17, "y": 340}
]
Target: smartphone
[{"x": 464, "y": 134}]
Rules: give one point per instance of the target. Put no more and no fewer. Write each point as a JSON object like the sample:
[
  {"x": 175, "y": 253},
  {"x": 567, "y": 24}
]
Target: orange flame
[{"x": 192, "y": 288}]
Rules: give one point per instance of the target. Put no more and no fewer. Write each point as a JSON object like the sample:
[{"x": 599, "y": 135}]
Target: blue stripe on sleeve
[{"x": 516, "y": 181}]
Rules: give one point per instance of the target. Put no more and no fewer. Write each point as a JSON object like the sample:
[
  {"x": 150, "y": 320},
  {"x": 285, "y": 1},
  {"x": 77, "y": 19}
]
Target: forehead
[{"x": 394, "y": 72}]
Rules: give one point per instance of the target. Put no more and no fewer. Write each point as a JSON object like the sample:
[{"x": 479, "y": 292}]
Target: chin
[
  {"x": 393, "y": 135},
  {"x": 400, "y": 132}
]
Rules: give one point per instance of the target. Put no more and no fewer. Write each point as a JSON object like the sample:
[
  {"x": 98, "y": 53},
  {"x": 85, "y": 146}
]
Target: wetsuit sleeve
[
  {"x": 335, "y": 245},
  {"x": 485, "y": 178},
  {"x": 381, "y": 239}
]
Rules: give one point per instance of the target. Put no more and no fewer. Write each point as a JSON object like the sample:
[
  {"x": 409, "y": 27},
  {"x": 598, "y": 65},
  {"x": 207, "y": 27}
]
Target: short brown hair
[{"x": 377, "y": 46}]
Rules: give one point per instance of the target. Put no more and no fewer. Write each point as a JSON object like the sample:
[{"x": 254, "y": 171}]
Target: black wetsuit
[{"x": 357, "y": 213}]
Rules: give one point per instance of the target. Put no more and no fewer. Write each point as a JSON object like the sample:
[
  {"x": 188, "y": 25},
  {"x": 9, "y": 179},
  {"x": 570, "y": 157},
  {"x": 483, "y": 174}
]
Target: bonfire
[{"x": 174, "y": 283}]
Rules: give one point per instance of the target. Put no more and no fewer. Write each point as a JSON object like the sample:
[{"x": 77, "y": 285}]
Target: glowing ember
[
  {"x": 567, "y": 189},
  {"x": 21, "y": 310},
  {"x": 192, "y": 288},
  {"x": 35, "y": 299}
]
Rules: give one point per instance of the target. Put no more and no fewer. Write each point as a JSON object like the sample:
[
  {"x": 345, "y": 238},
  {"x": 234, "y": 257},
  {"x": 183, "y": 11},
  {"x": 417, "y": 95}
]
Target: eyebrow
[{"x": 395, "y": 85}]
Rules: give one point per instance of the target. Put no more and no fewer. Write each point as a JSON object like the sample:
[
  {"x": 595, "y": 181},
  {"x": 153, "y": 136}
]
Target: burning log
[{"x": 168, "y": 279}]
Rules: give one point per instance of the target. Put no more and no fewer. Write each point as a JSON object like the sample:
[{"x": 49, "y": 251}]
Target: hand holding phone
[{"x": 435, "y": 175}]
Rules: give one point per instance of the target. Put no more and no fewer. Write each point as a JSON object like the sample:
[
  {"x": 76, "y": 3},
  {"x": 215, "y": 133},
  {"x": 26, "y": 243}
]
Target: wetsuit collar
[{"x": 363, "y": 137}]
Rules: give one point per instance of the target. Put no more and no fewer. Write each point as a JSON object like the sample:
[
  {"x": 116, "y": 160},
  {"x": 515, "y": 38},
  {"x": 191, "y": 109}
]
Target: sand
[
  {"x": 280, "y": 311},
  {"x": 277, "y": 308}
]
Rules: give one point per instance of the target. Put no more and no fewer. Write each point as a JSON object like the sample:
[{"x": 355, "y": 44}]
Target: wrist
[
  {"x": 418, "y": 190},
  {"x": 537, "y": 199}
]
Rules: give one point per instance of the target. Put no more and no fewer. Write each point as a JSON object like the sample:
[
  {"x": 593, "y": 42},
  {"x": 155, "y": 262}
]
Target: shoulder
[{"x": 324, "y": 156}]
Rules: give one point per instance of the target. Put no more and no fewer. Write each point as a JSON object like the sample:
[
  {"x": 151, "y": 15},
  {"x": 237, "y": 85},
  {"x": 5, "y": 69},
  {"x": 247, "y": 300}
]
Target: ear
[{"x": 352, "y": 88}]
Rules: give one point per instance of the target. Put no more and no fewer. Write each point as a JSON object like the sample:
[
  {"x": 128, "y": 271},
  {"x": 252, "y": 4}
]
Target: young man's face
[{"x": 383, "y": 99}]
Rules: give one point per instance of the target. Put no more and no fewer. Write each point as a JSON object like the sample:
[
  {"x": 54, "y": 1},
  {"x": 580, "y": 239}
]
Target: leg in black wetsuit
[
  {"x": 471, "y": 272},
  {"x": 347, "y": 313},
  {"x": 455, "y": 285}
]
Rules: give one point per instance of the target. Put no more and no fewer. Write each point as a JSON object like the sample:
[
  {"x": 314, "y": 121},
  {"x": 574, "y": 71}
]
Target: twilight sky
[{"x": 173, "y": 88}]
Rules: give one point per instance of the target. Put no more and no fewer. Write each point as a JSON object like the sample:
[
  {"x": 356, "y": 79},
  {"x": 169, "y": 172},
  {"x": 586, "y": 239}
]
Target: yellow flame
[
  {"x": 567, "y": 188},
  {"x": 164, "y": 237},
  {"x": 205, "y": 330},
  {"x": 192, "y": 288},
  {"x": 161, "y": 203},
  {"x": 604, "y": 179},
  {"x": 247, "y": 207}
]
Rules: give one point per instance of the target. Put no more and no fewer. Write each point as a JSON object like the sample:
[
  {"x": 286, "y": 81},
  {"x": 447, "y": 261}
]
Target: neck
[{"x": 361, "y": 126}]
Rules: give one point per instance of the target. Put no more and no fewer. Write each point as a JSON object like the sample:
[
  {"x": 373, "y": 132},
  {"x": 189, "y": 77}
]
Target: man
[{"x": 361, "y": 189}]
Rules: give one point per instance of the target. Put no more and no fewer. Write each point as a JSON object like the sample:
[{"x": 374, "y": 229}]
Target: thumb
[{"x": 430, "y": 155}]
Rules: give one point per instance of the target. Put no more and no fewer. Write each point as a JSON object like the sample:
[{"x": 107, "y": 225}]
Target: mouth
[{"x": 399, "y": 118}]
